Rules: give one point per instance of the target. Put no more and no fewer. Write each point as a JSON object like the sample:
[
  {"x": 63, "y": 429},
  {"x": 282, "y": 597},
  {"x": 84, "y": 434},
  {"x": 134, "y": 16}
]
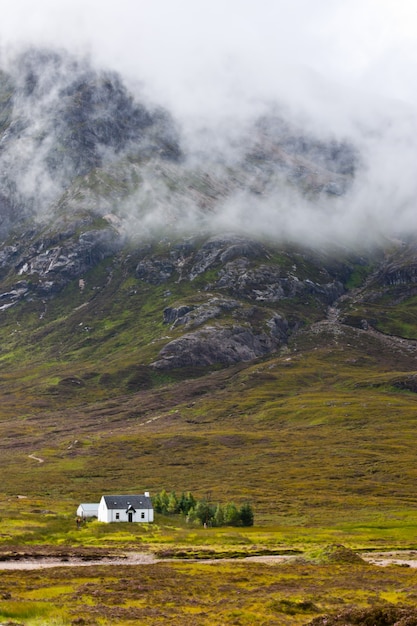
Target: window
[
  {"x": 117, "y": 515},
  {"x": 142, "y": 515}
]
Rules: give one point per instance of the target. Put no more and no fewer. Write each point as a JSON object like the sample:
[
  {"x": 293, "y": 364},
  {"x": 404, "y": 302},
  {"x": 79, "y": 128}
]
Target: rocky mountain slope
[
  {"x": 110, "y": 229},
  {"x": 138, "y": 323},
  {"x": 94, "y": 183}
]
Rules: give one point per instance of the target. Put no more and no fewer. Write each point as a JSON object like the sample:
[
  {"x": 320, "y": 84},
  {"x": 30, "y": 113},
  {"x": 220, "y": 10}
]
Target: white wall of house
[
  {"x": 122, "y": 515},
  {"x": 88, "y": 510},
  {"x": 103, "y": 512}
]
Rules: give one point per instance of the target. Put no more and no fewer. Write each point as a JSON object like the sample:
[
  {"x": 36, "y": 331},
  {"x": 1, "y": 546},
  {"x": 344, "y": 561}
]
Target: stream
[{"x": 402, "y": 558}]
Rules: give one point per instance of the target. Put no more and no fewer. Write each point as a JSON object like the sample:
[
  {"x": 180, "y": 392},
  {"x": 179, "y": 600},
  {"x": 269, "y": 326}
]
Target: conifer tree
[
  {"x": 164, "y": 501},
  {"x": 231, "y": 515},
  {"x": 246, "y": 514},
  {"x": 204, "y": 512},
  {"x": 218, "y": 519},
  {"x": 172, "y": 506}
]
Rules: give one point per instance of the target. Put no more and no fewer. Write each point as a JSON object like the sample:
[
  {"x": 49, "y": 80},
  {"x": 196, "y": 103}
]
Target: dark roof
[{"x": 123, "y": 502}]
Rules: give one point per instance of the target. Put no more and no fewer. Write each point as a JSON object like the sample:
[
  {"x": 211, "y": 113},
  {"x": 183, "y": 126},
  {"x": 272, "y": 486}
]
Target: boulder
[{"x": 215, "y": 345}]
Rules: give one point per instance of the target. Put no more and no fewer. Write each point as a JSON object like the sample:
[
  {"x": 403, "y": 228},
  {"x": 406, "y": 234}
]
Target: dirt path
[{"x": 36, "y": 458}]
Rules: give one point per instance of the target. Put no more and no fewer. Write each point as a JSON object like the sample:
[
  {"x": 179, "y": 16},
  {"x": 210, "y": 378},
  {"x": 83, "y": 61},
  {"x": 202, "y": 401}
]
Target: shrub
[{"x": 203, "y": 511}]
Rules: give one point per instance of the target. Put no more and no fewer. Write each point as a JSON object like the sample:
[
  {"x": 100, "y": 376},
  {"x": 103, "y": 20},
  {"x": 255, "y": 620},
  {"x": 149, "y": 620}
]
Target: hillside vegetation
[
  {"x": 145, "y": 346},
  {"x": 323, "y": 424}
]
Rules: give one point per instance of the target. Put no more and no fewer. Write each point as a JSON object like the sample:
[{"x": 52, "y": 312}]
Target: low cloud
[{"x": 339, "y": 71}]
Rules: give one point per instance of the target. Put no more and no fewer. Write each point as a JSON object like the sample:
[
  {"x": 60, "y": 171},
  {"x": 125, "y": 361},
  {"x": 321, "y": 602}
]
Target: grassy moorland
[
  {"x": 199, "y": 593},
  {"x": 314, "y": 438},
  {"x": 318, "y": 440}
]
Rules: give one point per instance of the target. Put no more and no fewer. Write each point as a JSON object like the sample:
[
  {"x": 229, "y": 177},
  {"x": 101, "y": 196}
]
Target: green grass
[
  {"x": 358, "y": 276},
  {"x": 388, "y": 311}
]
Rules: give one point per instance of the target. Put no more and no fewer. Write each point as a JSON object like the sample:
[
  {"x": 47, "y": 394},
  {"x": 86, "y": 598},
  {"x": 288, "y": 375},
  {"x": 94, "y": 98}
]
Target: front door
[{"x": 130, "y": 516}]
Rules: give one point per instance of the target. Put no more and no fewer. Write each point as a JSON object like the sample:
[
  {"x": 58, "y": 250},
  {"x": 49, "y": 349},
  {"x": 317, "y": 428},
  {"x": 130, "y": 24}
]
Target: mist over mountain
[
  {"x": 338, "y": 75},
  {"x": 60, "y": 121},
  {"x": 74, "y": 137}
]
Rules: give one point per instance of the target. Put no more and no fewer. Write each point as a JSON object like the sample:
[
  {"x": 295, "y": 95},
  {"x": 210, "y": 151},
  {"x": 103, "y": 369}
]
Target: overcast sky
[
  {"x": 349, "y": 66},
  {"x": 208, "y": 53}
]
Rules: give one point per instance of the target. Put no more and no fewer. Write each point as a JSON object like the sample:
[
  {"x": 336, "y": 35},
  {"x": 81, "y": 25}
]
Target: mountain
[{"x": 135, "y": 316}]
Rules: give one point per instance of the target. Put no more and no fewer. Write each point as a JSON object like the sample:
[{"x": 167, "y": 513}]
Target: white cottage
[
  {"x": 135, "y": 508},
  {"x": 87, "y": 509}
]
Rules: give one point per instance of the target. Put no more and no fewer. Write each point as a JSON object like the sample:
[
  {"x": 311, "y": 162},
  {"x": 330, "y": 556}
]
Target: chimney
[{"x": 146, "y": 494}]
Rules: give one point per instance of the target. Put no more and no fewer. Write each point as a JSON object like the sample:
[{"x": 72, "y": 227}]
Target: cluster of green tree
[{"x": 202, "y": 511}]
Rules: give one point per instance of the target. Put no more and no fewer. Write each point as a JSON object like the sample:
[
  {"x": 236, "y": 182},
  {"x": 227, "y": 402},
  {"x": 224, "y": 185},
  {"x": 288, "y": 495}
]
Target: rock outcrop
[{"x": 215, "y": 345}]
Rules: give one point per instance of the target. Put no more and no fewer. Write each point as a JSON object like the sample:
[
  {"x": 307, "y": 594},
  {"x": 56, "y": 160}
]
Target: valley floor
[{"x": 267, "y": 591}]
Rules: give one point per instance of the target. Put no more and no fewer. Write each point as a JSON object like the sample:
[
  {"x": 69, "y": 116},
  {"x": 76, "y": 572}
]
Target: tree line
[{"x": 202, "y": 511}]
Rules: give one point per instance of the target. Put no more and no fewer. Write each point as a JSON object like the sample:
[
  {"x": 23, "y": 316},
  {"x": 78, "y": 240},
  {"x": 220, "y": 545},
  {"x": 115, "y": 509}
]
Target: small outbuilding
[
  {"x": 134, "y": 508},
  {"x": 87, "y": 509}
]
